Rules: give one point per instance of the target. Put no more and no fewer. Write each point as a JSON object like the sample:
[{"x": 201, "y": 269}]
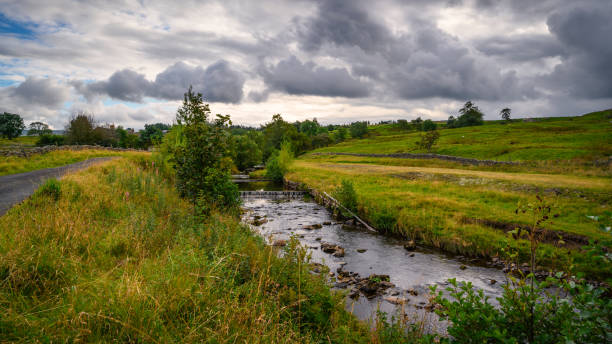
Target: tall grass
[
  {"x": 112, "y": 254},
  {"x": 13, "y": 164}
]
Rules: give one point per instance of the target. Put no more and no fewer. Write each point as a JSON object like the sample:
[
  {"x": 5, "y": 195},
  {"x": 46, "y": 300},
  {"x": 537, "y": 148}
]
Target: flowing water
[{"x": 367, "y": 253}]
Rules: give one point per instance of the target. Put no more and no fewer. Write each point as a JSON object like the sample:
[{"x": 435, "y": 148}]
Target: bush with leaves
[
  {"x": 279, "y": 162},
  {"x": 39, "y": 128},
  {"x": 203, "y": 162},
  {"x": 346, "y": 195},
  {"x": 429, "y": 125},
  {"x": 50, "y": 140},
  {"x": 428, "y": 140}
]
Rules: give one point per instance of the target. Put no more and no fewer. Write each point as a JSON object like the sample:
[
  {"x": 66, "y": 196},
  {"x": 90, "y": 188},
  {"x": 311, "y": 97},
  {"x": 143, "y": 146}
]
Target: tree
[
  {"x": 340, "y": 134},
  {"x": 428, "y": 140},
  {"x": 358, "y": 129},
  {"x": 276, "y": 132},
  {"x": 80, "y": 129},
  {"x": 470, "y": 115},
  {"x": 402, "y": 124},
  {"x": 203, "y": 162},
  {"x": 39, "y": 128},
  {"x": 505, "y": 114},
  {"x": 246, "y": 152},
  {"x": 278, "y": 163},
  {"x": 429, "y": 125},
  {"x": 11, "y": 125},
  {"x": 417, "y": 123},
  {"x": 152, "y": 134},
  {"x": 310, "y": 128}
]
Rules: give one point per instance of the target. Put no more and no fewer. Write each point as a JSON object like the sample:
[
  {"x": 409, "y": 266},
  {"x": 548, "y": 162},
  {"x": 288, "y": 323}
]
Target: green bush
[
  {"x": 358, "y": 129},
  {"x": 50, "y": 140},
  {"x": 279, "y": 162},
  {"x": 346, "y": 195}
]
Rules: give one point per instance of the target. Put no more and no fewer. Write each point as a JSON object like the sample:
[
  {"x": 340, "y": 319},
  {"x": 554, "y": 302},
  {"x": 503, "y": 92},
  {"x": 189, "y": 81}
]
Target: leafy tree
[
  {"x": 105, "y": 135},
  {"x": 80, "y": 129},
  {"x": 203, "y": 162},
  {"x": 470, "y": 115},
  {"x": 346, "y": 195},
  {"x": 505, "y": 114},
  {"x": 417, "y": 123},
  {"x": 429, "y": 125},
  {"x": 11, "y": 125},
  {"x": 451, "y": 122},
  {"x": 127, "y": 139},
  {"x": 246, "y": 152},
  {"x": 152, "y": 134},
  {"x": 402, "y": 124},
  {"x": 39, "y": 128},
  {"x": 278, "y": 131},
  {"x": 278, "y": 163},
  {"x": 428, "y": 140},
  {"x": 340, "y": 134},
  {"x": 310, "y": 128},
  {"x": 358, "y": 129}
]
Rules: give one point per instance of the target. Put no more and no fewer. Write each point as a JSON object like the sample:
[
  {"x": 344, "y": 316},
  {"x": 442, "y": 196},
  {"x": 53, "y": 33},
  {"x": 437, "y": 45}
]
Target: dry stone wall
[{"x": 26, "y": 152}]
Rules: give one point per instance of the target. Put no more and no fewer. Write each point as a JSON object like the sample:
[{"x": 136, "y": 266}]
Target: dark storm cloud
[
  {"x": 294, "y": 77},
  {"x": 342, "y": 23},
  {"x": 585, "y": 33},
  {"x": 425, "y": 62},
  {"x": 41, "y": 92},
  {"x": 521, "y": 47},
  {"x": 218, "y": 83}
]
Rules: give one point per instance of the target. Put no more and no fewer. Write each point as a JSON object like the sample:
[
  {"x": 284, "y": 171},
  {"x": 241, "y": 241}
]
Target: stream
[{"x": 365, "y": 253}]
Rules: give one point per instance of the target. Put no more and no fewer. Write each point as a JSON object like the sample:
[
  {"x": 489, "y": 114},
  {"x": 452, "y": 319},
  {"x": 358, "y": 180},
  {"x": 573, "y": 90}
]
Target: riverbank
[
  {"x": 470, "y": 212},
  {"x": 111, "y": 253}
]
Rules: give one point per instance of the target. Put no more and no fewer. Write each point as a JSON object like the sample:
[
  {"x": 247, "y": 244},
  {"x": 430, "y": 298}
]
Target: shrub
[
  {"x": 50, "y": 140},
  {"x": 279, "y": 162},
  {"x": 428, "y": 140},
  {"x": 346, "y": 195}
]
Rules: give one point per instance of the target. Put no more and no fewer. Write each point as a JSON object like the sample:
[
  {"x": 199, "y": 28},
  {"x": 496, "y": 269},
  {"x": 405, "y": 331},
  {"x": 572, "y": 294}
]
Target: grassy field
[
  {"x": 12, "y": 164},
  {"x": 21, "y": 141},
  {"x": 112, "y": 254},
  {"x": 586, "y": 137},
  {"x": 469, "y": 209}
]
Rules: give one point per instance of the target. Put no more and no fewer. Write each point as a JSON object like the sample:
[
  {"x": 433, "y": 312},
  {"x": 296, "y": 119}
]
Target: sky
[{"x": 130, "y": 62}]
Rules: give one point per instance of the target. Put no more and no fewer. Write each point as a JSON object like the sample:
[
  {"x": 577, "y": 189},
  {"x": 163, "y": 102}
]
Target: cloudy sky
[{"x": 337, "y": 60}]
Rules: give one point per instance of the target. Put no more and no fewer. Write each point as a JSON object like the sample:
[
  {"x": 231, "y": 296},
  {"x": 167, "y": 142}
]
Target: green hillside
[{"x": 585, "y": 137}]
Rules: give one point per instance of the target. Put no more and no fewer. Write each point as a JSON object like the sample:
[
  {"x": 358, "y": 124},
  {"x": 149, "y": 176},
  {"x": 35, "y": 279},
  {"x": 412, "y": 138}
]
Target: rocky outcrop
[{"x": 26, "y": 152}]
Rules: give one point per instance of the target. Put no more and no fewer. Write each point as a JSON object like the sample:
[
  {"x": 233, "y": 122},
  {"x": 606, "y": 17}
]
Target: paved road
[{"x": 14, "y": 188}]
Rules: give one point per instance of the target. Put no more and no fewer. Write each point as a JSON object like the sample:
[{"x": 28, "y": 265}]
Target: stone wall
[
  {"x": 26, "y": 152},
  {"x": 467, "y": 161}
]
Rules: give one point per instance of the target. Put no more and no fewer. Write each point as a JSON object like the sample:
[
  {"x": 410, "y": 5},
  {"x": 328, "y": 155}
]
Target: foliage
[
  {"x": 428, "y": 140},
  {"x": 417, "y": 124},
  {"x": 203, "y": 163},
  {"x": 340, "y": 134},
  {"x": 429, "y": 125},
  {"x": 309, "y": 127},
  {"x": 152, "y": 134},
  {"x": 505, "y": 114},
  {"x": 279, "y": 162},
  {"x": 469, "y": 116},
  {"x": 552, "y": 311},
  {"x": 39, "y": 128},
  {"x": 358, "y": 129},
  {"x": 402, "y": 124},
  {"x": 127, "y": 139},
  {"x": 246, "y": 152},
  {"x": 79, "y": 130},
  {"x": 50, "y": 140},
  {"x": 11, "y": 125},
  {"x": 346, "y": 195}
]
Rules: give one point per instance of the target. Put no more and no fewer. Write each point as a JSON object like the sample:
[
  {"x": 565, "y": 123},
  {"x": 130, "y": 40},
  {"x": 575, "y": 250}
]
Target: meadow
[
  {"x": 15, "y": 164},
  {"x": 587, "y": 137},
  {"x": 112, "y": 254},
  {"x": 470, "y": 210}
]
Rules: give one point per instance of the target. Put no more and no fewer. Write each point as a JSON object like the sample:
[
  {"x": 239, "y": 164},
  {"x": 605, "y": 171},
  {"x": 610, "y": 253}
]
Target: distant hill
[{"x": 552, "y": 138}]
